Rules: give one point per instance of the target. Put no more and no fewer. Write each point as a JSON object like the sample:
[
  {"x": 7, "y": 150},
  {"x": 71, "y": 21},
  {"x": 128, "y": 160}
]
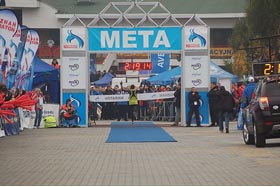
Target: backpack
[{"x": 50, "y": 121}]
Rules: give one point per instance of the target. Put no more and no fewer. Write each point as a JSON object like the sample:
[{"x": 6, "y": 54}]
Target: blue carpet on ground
[{"x": 125, "y": 132}]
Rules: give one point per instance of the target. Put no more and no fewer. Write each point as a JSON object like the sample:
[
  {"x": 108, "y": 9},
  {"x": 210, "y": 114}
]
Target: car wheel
[
  {"x": 247, "y": 137},
  {"x": 259, "y": 138}
]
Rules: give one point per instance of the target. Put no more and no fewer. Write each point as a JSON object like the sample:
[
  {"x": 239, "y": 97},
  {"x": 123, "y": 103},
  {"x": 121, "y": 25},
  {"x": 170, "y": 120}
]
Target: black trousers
[
  {"x": 122, "y": 111},
  {"x": 195, "y": 111},
  {"x": 214, "y": 114},
  {"x": 133, "y": 110}
]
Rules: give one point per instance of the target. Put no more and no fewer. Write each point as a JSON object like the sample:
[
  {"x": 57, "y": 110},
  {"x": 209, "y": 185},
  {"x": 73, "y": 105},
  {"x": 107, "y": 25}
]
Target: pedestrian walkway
[{"x": 80, "y": 156}]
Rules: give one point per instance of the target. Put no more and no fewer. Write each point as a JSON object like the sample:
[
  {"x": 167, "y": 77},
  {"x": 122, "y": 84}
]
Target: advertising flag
[
  {"x": 20, "y": 51},
  {"x": 12, "y": 66},
  {"x": 33, "y": 47},
  {"x": 161, "y": 62},
  {"x": 23, "y": 71},
  {"x": 30, "y": 49},
  {"x": 8, "y": 27}
]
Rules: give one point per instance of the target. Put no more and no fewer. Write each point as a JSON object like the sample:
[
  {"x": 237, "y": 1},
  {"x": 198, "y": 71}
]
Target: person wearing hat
[{"x": 247, "y": 93}]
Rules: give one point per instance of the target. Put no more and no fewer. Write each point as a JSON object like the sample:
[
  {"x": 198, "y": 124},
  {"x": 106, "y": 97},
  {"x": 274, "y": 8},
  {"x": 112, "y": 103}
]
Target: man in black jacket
[
  {"x": 226, "y": 105},
  {"x": 213, "y": 98},
  {"x": 194, "y": 104},
  {"x": 177, "y": 96}
]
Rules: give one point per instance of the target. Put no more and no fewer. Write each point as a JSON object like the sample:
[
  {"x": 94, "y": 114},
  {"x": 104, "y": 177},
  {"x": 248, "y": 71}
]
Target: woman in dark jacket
[{"x": 226, "y": 105}]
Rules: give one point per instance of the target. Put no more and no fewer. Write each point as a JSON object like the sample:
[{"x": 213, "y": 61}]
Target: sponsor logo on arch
[{"x": 196, "y": 37}]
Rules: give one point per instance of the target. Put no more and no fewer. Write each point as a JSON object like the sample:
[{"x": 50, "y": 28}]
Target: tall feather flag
[
  {"x": 22, "y": 49},
  {"x": 24, "y": 77},
  {"x": 33, "y": 47},
  {"x": 13, "y": 58},
  {"x": 8, "y": 27}
]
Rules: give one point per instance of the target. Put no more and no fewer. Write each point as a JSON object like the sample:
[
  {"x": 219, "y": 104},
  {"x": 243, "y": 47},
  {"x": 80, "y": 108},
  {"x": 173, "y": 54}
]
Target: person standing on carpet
[{"x": 133, "y": 101}]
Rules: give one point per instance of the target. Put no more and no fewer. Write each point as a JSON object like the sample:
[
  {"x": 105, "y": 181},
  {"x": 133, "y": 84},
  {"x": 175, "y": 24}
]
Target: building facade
[{"x": 49, "y": 16}]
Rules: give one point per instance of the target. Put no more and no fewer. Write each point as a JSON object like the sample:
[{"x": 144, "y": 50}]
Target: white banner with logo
[
  {"x": 196, "y": 37},
  {"x": 73, "y": 39},
  {"x": 125, "y": 97},
  {"x": 74, "y": 73},
  {"x": 196, "y": 71},
  {"x": 27, "y": 117}
]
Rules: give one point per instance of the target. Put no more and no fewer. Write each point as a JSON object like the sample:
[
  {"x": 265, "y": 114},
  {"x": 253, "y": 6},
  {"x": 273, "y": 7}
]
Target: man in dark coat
[
  {"x": 177, "y": 96},
  {"x": 213, "y": 99},
  {"x": 194, "y": 103},
  {"x": 226, "y": 104}
]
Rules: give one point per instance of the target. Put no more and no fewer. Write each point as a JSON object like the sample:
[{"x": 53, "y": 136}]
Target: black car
[{"x": 262, "y": 115}]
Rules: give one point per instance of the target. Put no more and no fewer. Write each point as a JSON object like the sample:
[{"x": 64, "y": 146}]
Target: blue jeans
[
  {"x": 223, "y": 116},
  {"x": 38, "y": 117}
]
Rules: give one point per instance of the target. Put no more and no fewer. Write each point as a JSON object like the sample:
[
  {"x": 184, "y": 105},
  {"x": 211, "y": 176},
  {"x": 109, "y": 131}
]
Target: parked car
[{"x": 262, "y": 115}]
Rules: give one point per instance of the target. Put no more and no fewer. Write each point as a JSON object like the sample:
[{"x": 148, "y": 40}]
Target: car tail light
[
  {"x": 263, "y": 102},
  {"x": 268, "y": 123}
]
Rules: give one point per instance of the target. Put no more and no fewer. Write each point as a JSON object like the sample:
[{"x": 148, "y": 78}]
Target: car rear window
[{"x": 272, "y": 89}]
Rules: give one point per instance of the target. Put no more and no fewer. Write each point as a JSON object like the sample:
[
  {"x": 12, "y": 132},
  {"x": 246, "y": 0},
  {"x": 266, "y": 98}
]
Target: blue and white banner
[
  {"x": 13, "y": 57},
  {"x": 197, "y": 71},
  {"x": 8, "y": 27},
  {"x": 74, "y": 73},
  {"x": 160, "y": 62},
  {"x": 135, "y": 39},
  {"x": 73, "y": 39},
  {"x": 24, "y": 77},
  {"x": 79, "y": 101},
  {"x": 32, "y": 52},
  {"x": 196, "y": 37},
  {"x": 20, "y": 52},
  {"x": 125, "y": 97}
]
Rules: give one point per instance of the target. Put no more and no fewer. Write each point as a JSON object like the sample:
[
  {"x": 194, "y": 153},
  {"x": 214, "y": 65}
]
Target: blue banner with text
[{"x": 135, "y": 39}]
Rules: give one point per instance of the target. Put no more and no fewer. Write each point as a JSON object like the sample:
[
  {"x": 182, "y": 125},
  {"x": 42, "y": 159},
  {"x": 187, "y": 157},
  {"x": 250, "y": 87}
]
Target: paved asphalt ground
[{"x": 80, "y": 156}]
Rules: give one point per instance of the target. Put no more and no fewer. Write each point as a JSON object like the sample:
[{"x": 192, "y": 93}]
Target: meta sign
[{"x": 135, "y": 39}]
